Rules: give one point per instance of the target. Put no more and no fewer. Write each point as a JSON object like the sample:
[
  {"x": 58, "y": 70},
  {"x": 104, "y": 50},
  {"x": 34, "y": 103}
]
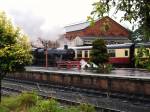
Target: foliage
[
  {"x": 135, "y": 11},
  {"x": 47, "y": 106},
  {"x": 21, "y": 102},
  {"x": 72, "y": 109},
  {"x": 10, "y": 103},
  {"x": 99, "y": 55},
  {"x": 86, "y": 108},
  {"x": 31, "y": 102},
  {"x": 142, "y": 58},
  {"x": 14, "y": 46},
  {"x": 106, "y": 69},
  {"x": 3, "y": 109},
  {"x": 137, "y": 35},
  {"x": 28, "y": 99},
  {"x": 15, "y": 51}
]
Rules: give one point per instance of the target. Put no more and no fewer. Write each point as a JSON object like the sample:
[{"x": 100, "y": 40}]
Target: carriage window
[
  {"x": 126, "y": 52},
  {"x": 79, "y": 54},
  {"x": 86, "y": 54},
  {"x": 111, "y": 52}
]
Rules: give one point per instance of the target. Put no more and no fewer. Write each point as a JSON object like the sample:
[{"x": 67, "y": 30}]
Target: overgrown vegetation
[
  {"x": 134, "y": 11},
  {"x": 31, "y": 102},
  {"x": 100, "y": 57},
  {"x": 15, "y": 50},
  {"x": 142, "y": 58}
]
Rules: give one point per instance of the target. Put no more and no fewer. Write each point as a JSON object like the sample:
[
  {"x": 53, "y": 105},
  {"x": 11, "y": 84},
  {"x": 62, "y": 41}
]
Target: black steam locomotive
[{"x": 54, "y": 55}]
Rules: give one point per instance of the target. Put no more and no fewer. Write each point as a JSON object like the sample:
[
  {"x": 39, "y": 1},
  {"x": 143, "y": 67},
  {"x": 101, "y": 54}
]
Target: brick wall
[{"x": 115, "y": 30}]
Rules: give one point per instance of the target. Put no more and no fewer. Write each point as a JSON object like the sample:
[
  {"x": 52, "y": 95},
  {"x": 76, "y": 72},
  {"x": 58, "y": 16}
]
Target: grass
[{"x": 31, "y": 102}]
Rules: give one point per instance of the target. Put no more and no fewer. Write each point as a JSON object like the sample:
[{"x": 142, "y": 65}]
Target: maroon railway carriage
[{"x": 119, "y": 54}]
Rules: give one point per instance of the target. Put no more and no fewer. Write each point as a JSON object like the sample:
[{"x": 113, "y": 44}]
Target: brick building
[{"x": 84, "y": 33}]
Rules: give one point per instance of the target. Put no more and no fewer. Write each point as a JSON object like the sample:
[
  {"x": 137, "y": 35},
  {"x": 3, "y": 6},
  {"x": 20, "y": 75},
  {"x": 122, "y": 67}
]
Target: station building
[{"x": 82, "y": 34}]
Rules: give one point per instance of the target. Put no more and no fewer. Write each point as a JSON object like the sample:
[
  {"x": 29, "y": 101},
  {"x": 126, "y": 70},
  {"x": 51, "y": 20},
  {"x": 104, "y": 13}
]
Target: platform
[{"x": 118, "y": 72}]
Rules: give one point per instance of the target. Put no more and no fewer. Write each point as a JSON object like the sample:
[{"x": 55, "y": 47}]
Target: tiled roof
[
  {"x": 105, "y": 38},
  {"x": 76, "y": 27},
  {"x": 83, "y": 25}
]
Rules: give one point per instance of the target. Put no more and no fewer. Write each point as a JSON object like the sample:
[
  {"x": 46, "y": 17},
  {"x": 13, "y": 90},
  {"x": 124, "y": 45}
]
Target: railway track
[
  {"x": 69, "y": 95},
  {"x": 87, "y": 92},
  {"x": 20, "y": 88}
]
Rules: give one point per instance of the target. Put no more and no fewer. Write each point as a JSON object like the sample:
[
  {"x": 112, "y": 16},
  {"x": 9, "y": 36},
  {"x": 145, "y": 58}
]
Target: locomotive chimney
[{"x": 66, "y": 47}]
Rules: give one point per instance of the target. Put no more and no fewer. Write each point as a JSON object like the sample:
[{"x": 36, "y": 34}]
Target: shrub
[
  {"x": 46, "y": 106},
  {"x": 10, "y": 103},
  {"x": 30, "y": 102},
  {"x": 142, "y": 58},
  {"x": 99, "y": 56},
  {"x": 4, "y": 109},
  {"x": 20, "y": 102},
  {"x": 28, "y": 99},
  {"x": 86, "y": 108}
]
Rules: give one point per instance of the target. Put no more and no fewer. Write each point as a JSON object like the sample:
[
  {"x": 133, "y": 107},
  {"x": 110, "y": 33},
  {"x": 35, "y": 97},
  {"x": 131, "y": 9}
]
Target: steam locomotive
[
  {"x": 119, "y": 54},
  {"x": 54, "y": 55}
]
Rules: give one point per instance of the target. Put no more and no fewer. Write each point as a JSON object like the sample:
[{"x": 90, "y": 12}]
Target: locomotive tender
[{"x": 119, "y": 54}]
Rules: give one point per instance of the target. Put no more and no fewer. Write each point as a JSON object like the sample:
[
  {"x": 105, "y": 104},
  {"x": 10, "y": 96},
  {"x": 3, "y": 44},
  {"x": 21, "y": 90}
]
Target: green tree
[
  {"x": 137, "y": 35},
  {"x": 135, "y": 11},
  {"x": 15, "y": 51},
  {"x": 99, "y": 53},
  {"x": 142, "y": 58}
]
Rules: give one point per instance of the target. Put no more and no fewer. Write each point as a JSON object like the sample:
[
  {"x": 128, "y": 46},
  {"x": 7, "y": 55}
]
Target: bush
[
  {"x": 30, "y": 102},
  {"x": 4, "y": 109},
  {"x": 99, "y": 56},
  {"x": 28, "y": 99},
  {"x": 46, "y": 106},
  {"x": 10, "y": 103},
  {"x": 99, "y": 53},
  {"x": 21, "y": 102},
  {"x": 86, "y": 108},
  {"x": 142, "y": 59}
]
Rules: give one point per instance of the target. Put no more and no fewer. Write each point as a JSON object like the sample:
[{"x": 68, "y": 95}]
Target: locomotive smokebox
[{"x": 66, "y": 47}]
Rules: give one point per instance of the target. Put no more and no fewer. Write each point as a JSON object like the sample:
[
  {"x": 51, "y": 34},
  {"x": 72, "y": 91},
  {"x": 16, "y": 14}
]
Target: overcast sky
[{"x": 46, "y": 18}]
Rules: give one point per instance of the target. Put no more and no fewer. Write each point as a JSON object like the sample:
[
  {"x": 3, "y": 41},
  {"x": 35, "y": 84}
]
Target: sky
[{"x": 46, "y": 18}]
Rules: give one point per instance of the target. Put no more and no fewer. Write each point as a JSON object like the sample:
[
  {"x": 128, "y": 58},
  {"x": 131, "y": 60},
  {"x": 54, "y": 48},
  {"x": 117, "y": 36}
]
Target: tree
[
  {"x": 137, "y": 35},
  {"x": 15, "y": 51},
  {"x": 135, "y": 11},
  {"x": 99, "y": 53},
  {"x": 50, "y": 44},
  {"x": 142, "y": 58}
]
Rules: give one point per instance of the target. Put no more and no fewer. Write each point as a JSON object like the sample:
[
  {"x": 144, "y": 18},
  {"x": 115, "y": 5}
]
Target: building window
[
  {"x": 79, "y": 54},
  {"x": 111, "y": 52},
  {"x": 126, "y": 52}
]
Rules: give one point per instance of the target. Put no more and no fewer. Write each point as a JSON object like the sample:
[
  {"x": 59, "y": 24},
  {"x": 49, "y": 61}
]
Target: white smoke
[
  {"x": 53, "y": 33},
  {"x": 35, "y": 26}
]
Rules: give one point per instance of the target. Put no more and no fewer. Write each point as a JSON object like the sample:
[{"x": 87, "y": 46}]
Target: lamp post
[
  {"x": 46, "y": 54},
  {"x": 44, "y": 40}
]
